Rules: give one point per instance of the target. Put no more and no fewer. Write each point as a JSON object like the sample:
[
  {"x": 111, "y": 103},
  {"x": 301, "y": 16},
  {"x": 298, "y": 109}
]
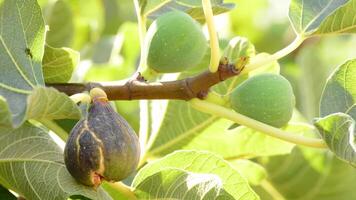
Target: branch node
[
  {"x": 128, "y": 86},
  {"x": 202, "y": 94},
  {"x": 140, "y": 78},
  {"x": 191, "y": 94}
]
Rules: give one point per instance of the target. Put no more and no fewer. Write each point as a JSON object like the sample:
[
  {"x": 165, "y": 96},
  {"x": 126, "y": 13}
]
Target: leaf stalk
[{"x": 221, "y": 111}]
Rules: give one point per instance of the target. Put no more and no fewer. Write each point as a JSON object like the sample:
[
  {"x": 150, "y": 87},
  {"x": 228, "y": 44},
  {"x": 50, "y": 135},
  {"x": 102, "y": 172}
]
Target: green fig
[
  {"x": 101, "y": 146},
  {"x": 267, "y": 98},
  {"x": 175, "y": 42}
]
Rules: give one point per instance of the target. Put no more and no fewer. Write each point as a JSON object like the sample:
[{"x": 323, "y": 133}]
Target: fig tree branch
[{"x": 137, "y": 88}]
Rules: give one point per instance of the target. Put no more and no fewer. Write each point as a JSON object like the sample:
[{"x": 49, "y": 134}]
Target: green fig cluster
[
  {"x": 267, "y": 98},
  {"x": 101, "y": 146},
  {"x": 175, "y": 42}
]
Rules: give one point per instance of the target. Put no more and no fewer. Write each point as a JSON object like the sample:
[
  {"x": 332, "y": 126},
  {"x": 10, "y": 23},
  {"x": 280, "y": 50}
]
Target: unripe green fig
[
  {"x": 102, "y": 146},
  {"x": 175, "y": 42},
  {"x": 267, "y": 98}
]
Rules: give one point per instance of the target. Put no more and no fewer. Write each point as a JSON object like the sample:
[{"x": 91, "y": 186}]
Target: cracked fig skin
[
  {"x": 102, "y": 146},
  {"x": 267, "y": 98}
]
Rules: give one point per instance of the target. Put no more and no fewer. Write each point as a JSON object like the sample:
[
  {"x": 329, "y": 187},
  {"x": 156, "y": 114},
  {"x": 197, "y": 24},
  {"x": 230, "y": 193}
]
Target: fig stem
[
  {"x": 221, "y": 111},
  {"x": 53, "y": 126},
  {"x": 254, "y": 64},
  {"x": 214, "y": 42},
  {"x": 81, "y": 97},
  {"x": 123, "y": 189},
  {"x": 216, "y": 98}
]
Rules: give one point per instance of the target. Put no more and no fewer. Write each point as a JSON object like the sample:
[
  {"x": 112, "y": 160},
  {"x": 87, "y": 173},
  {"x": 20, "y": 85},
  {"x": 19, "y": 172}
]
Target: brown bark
[{"x": 185, "y": 89}]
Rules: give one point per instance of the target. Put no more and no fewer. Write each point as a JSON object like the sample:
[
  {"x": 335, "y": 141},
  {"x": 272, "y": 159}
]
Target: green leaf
[
  {"x": 198, "y": 14},
  {"x": 253, "y": 172},
  {"x": 31, "y": 164},
  {"x": 61, "y": 25},
  {"x": 22, "y": 34},
  {"x": 339, "y": 94},
  {"x": 48, "y": 103},
  {"x": 193, "y": 162},
  {"x": 307, "y": 15},
  {"x": 177, "y": 124},
  {"x": 179, "y": 184},
  {"x": 155, "y": 8},
  {"x": 341, "y": 21},
  {"x": 338, "y": 132},
  {"x": 5, "y": 115},
  {"x": 242, "y": 141},
  {"x": 310, "y": 173},
  {"x": 58, "y": 64}
]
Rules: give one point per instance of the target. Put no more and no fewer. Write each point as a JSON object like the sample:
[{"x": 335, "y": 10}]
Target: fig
[
  {"x": 267, "y": 98},
  {"x": 102, "y": 145},
  {"x": 175, "y": 42}
]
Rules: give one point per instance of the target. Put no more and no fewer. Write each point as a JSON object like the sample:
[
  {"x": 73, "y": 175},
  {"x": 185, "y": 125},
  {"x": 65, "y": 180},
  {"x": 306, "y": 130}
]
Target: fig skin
[
  {"x": 101, "y": 146},
  {"x": 175, "y": 43},
  {"x": 267, "y": 98}
]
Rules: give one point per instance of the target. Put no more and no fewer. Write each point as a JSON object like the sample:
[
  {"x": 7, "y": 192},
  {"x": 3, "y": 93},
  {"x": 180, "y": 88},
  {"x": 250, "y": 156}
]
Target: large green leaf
[
  {"x": 338, "y": 131},
  {"x": 244, "y": 142},
  {"x": 31, "y": 164},
  {"x": 58, "y": 64},
  {"x": 307, "y": 15},
  {"x": 22, "y": 34},
  {"x": 177, "y": 124},
  {"x": 43, "y": 103},
  {"x": 310, "y": 174},
  {"x": 339, "y": 94},
  {"x": 48, "y": 103},
  {"x": 196, "y": 165},
  {"x": 253, "y": 172},
  {"x": 154, "y": 8},
  {"x": 341, "y": 21},
  {"x": 180, "y": 184}
]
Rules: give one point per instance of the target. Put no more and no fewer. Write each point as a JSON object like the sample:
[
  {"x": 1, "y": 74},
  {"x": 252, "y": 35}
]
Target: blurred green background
[{"x": 105, "y": 33}]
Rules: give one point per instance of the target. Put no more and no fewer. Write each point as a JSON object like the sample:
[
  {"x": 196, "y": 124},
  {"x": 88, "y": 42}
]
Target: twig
[
  {"x": 254, "y": 64},
  {"x": 185, "y": 89}
]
